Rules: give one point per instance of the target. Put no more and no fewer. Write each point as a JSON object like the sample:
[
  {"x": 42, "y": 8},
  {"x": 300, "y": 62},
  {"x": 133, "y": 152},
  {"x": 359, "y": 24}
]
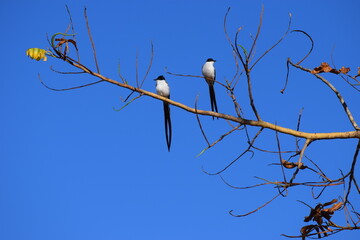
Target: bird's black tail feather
[
  {"x": 212, "y": 99},
  {"x": 168, "y": 130}
]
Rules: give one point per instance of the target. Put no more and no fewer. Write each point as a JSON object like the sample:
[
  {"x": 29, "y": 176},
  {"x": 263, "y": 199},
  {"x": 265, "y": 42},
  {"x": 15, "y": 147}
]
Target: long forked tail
[
  {"x": 212, "y": 98},
  {"x": 167, "y": 119}
]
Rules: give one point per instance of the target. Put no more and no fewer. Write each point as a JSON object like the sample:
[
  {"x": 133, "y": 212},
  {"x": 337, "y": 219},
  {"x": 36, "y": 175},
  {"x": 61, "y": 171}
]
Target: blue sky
[{"x": 73, "y": 168}]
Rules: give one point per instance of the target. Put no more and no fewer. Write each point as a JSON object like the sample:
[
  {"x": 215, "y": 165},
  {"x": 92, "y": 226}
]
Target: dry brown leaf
[
  {"x": 331, "y": 202},
  {"x": 344, "y": 70},
  {"x": 287, "y": 164},
  {"x": 290, "y": 165},
  {"x": 325, "y": 67},
  {"x": 307, "y": 229},
  {"x": 335, "y": 207}
]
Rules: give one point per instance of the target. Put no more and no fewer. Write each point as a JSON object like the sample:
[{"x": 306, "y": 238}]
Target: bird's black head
[
  {"x": 210, "y": 60},
  {"x": 161, "y": 77}
]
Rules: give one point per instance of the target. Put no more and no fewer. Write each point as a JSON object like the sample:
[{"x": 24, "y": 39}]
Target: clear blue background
[{"x": 73, "y": 168}]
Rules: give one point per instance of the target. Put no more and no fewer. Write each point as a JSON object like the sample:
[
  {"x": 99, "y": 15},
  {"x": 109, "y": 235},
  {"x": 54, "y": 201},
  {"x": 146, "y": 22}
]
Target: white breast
[
  {"x": 162, "y": 88},
  {"x": 208, "y": 70}
]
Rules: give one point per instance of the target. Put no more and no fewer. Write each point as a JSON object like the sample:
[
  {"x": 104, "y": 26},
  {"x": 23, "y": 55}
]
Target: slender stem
[{"x": 251, "y": 95}]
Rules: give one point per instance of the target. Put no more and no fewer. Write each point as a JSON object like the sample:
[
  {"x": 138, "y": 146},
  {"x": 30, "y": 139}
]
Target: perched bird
[
  {"x": 209, "y": 73},
  {"x": 163, "y": 89}
]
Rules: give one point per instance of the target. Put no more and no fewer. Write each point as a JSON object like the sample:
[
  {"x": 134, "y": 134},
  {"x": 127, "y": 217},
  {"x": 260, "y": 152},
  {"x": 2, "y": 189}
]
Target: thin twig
[
  {"x": 273, "y": 46},
  {"x": 280, "y": 157},
  {"x": 269, "y": 151},
  {"x": 60, "y": 72},
  {"x": 247, "y": 187},
  {"x": 237, "y": 106},
  {"x": 150, "y": 64},
  {"x": 352, "y": 171},
  {"x": 287, "y": 76},
  {"x": 132, "y": 92},
  {"x": 321, "y": 192},
  {"x": 132, "y": 100},
  {"x": 237, "y": 158},
  {"x": 322, "y": 174},
  {"x": 73, "y": 30},
  {"x": 187, "y": 75},
  {"x": 222, "y": 137},
  {"x": 288, "y": 60},
  {"x": 225, "y": 30},
  {"x": 298, "y": 128},
  {"x": 120, "y": 75},
  {"x": 351, "y": 84},
  {"x": 246, "y": 64},
  {"x": 312, "y": 45},
  {"x": 237, "y": 74},
  {"x": 237, "y": 48},
  {"x": 299, "y": 163},
  {"x": 257, "y": 209},
  {"x": 91, "y": 40},
  {"x": 257, "y": 33},
  {"x": 251, "y": 98},
  {"x": 199, "y": 122},
  {"x": 66, "y": 89}
]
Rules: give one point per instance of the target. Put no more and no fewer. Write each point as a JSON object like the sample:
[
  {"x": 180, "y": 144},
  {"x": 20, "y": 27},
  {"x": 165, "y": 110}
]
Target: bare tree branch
[{"x": 338, "y": 95}]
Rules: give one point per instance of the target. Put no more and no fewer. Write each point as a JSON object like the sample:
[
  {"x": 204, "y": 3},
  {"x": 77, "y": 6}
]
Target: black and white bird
[
  {"x": 163, "y": 89},
  {"x": 209, "y": 74}
]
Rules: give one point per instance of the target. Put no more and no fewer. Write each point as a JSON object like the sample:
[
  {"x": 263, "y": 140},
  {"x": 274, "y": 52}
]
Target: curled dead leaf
[
  {"x": 305, "y": 230},
  {"x": 325, "y": 67},
  {"x": 344, "y": 70},
  {"x": 331, "y": 202},
  {"x": 287, "y": 164},
  {"x": 65, "y": 42},
  {"x": 290, "y": 165},
  {"x": 335, "y": 207}
]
